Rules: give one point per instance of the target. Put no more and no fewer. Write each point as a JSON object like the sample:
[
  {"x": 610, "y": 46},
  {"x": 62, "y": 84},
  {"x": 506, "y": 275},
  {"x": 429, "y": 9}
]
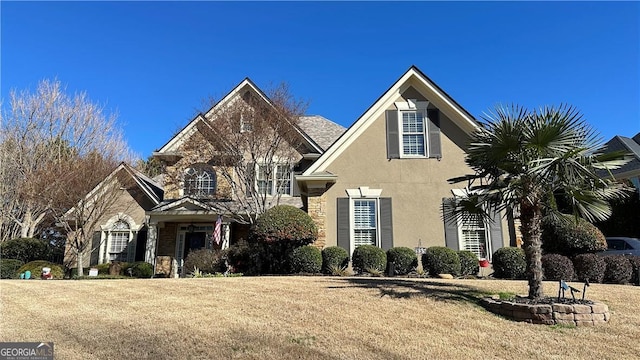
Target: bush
[
  {"x": 369, "y": 258},
  {"x": 206, "y": 260},
  {"x": 25, "y": 249},
  {"x": 244, "y": 258},
  {"x": 468, "y": 263},
  {"x": 509, "y": 263},
  {"x": 334, "y": 257},
  {"x": 635, "y": 267},
  {"x": 141, "y": 269},
  {"x": 567, "y": 237},
  {"x": 589, "y": 266},
  {"x": 404, "y": 259},
  {"x": 284, "y": 223},
  {"x": 441, "y": 260},
  {"x": 36, "y": 269},
  {"x": 306, "y": 259},
  {"x": 9, "y": 268},
  {"x": 557, "y": 267},
  {"x": 618, "y": 269}
]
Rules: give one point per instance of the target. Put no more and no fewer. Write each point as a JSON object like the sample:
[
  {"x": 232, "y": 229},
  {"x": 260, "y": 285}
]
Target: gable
[{"x": 413, "y": 84}]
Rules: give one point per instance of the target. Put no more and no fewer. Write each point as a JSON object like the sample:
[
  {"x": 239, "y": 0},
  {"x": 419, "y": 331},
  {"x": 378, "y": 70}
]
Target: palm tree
[{"x": 523, "y": 160}]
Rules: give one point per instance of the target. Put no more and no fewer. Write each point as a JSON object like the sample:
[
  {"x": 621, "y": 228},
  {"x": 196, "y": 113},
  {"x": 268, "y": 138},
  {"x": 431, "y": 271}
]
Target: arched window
[
  {"x": 200, "y": 181},
  {"x": 119, "y": 238}
]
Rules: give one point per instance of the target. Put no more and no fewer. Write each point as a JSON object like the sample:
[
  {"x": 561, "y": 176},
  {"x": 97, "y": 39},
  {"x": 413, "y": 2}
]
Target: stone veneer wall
[
  {"x": 167, "y": 240},
  {"x": 317, "y": 209},
  {"x": 550, "y": 314}
]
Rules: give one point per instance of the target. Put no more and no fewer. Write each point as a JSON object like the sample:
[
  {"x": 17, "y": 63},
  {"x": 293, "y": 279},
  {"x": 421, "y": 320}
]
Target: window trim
[
  {"x": 413, "y": 106},
  {"x": 200, "y": 168},
  {"x": 359, "y": 194},
  {"x": 487, "y": 236},
  {"x": 273, "y": 180},
  {"x": 106, "y": 236}
]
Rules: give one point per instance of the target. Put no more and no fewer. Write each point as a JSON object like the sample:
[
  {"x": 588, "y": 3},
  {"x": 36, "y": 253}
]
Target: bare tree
[
  {"x": 44, "y": 136},
  {"x": 253, "y": 141}
]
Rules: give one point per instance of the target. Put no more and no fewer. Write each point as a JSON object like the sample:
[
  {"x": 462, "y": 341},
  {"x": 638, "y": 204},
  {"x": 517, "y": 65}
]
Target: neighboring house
[
  {"x": 631, "y": 170},
  {"x": 382, "y": 181}
]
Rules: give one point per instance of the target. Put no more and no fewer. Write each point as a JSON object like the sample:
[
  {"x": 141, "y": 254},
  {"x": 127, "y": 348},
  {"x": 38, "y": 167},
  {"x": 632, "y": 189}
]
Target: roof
[
  {"x": 321, "y": 130},
  {"x": 630, "y": 145},
  {"x": 415, "y": 78}
]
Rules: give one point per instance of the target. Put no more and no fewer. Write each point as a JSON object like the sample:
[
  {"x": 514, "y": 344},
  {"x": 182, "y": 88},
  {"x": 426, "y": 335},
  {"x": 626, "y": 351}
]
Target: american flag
[{"x": 217, "y": 231}]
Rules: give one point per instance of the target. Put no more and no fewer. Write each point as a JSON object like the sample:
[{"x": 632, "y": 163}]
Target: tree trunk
[
  {"x": 79, "y": 263},
  {"x": 531, "y": 219}
]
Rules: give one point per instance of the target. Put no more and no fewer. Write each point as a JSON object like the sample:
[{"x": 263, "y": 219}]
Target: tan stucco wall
[{"x": 416, "y": 186}]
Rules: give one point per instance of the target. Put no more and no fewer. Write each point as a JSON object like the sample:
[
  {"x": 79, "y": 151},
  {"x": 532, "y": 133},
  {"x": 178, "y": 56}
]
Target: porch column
[
  {"x": 152, "y": 239},
  {"x": 226, "y": 231},
  {"x": 317, "y": 210}
]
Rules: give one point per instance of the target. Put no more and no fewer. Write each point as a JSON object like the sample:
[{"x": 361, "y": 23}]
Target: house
[
  {"x": 631, "y": 170},
  {"x": 382, "y": 181}
]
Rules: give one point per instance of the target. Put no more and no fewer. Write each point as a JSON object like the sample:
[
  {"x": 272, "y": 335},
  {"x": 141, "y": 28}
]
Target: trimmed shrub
[
  {"x": 141, "y": 269},
  {"x": 589, "y": 266},
  {"x": 334, "y": 257},
  {"x": 369, "y": 258},
  {"x": 244, "y": 258},
  {"x": 441, "y": 260},
  {"x": 36, "y": 269},
  {"x": 284, "y": 223},
  {"x": 404, "y": 259},
  {"x": 206, "y": 260},
  {"x": 557, "y": 267},
  {"x": 635, "y": 268},
  {"x": 306, "y": 259},
  {"x": 567, "y": 237},
  {"x": 25, "y": 249},
  {"x": 9, "y": 268},
  {"x": 468, "y": 263},
  {"x": 509, "y": 263},
  {"x": 618, "y": 269}
]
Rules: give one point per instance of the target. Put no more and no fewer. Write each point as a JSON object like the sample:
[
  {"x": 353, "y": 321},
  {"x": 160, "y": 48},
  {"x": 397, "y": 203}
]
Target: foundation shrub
[
  {"x": 206, "y": 260},
  {"x": 334, "y": 257},
  {"x": 557, "y": 267},
  {"x": 509, "y": 263},
  {"x": 306, "y": 259},
  {"x": 369, "y": 258},
  {"x": 441, "y": 260},
  {"x": 141, "y": 269},
  {"x": 9, "y": 268},
  {"x": 35, "y": 267},
  {"x": 468, "y": 263},
  {"x": 244, "y": 258},
  {"x": 618, "y": 269},
  {"x": 635, "y": 269},
  {"x": 589, "y": 267},
  {"x": 569, "y": 237},
  {"x": 404, "y": 259}
]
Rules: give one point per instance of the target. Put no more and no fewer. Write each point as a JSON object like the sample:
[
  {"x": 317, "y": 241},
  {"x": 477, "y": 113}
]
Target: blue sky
[{"x": 155, "y": 63}]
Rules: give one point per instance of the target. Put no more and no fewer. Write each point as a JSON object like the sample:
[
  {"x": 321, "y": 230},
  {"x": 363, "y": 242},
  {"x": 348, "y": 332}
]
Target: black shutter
[
  {"x": 95, "y": 248},
  {"x": 131, "y": 248},
  {"x": 250, "y": 179},
  {"x": 435, "y": 150},
  {"x": 386, "y": 224},
  {"x": 495, "y": 233},
  {"x": 393, "y": 142},
  {"x": 344, "y": 231},
  {"x": 450, "y": 225}
]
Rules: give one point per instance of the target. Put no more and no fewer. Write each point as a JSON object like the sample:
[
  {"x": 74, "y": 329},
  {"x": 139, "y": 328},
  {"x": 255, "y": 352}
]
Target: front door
[{"x": 194, "y": 241}]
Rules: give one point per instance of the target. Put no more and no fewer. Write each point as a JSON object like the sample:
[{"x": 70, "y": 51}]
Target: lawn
[{"x": 301, "y": 318}]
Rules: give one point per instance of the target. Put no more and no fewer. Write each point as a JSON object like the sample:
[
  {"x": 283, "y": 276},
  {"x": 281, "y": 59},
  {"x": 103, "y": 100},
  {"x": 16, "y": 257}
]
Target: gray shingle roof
[
  {"x": 322, "y": 130},
  {"x": 623, "y": 143}
]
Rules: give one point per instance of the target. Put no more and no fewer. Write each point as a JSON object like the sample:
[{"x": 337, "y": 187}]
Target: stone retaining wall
[{"x": 550, "y": 314}]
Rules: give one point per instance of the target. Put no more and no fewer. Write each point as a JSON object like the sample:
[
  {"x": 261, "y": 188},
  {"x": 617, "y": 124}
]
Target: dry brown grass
[{"x": 301, "y": 318}]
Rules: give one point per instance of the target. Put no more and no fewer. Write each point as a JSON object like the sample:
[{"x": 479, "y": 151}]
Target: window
[
  {"x": 413, "y": 138},
  {"x": 365, "y": 227},
  {"x": 119, "y": 238},
  {"x": 274, "y": 179},
  {"x": 200, "y": 181},
  {"x": 413, "y": 131},
  {"x": 246, "y": 124},
  {"x": 473, "y": 235}
]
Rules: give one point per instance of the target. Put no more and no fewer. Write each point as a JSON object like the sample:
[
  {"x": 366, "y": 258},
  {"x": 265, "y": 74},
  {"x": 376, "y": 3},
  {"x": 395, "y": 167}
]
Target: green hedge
[
  {"x": 569, "y": 237},
  {"x": 509, "y": 263},
  {"x": 469, "y": 265},
  {"x": 306, "y": 259},
  {"x": 25, "y": 249},
  {"x": 284, "y": 223},
  {"x": 589, "y": 267},
  {"x": 35, "y": 267},
  {"x": 441, "y": 260},
  {"x": 334, "y": 258},
  {"x": 369, "y": 258},
  {"x": 9, "y": 268},
  {"x": 557, "y": 267},
  {"x": 619, "y": 269},
  {"x": 403, "y": 258}
]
